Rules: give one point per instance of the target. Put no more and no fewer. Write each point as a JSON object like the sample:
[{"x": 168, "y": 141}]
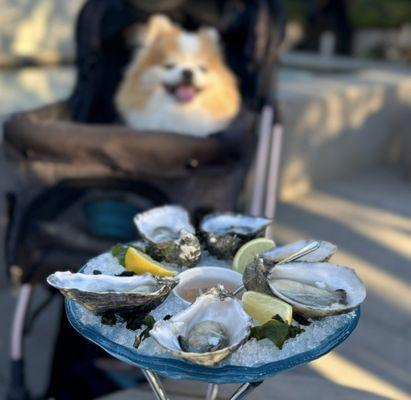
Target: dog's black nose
[{"x": 187, "y": 75}]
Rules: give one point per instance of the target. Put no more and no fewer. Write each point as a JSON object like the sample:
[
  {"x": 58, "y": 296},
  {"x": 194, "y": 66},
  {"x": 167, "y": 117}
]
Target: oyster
[
  {"x": 312, "y": 289},
  {"x": 215, "y": 322},
  {"x": 323, "y": 253},
  {"x": 103, "y": 293},
  {"x": 225, "y": 233},
  {"x": 169, "y": 235}
]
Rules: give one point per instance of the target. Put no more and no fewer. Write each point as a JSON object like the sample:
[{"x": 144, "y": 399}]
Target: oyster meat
[
  {"x": 309, "y": 295},
  {"x": 312, "y": 289},
  {"x": 169, "y": 235},
  {"x": 208, "y": 331},
  {"x": 104, "y": 293},
  {"x": 323, "y": 253},
  {"x": 204, "y": 337},
  {"x": 225, "y": 233}
]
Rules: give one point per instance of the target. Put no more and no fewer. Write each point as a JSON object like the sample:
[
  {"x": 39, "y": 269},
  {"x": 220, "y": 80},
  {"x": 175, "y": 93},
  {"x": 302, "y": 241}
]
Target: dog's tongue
[{"x": 185, "y": 93}]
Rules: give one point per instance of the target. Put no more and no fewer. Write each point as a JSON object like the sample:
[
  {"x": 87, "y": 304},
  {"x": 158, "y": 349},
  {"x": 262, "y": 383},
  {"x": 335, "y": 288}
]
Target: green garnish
[
  {"x": 149, "y": 322},
  {"x": 126, "y": 273},
  {"x": 301, "y": 320},
  {"x": 119, "y": 251},
  {"x": 108, "y": 318},
  {"x": 275, "y": 330}
]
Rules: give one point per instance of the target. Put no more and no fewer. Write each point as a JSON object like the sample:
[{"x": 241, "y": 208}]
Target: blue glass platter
[{"x": 179, "y": 369}]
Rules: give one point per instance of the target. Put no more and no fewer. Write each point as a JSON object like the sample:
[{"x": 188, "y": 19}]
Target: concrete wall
[{"x": 338, "y": 124}]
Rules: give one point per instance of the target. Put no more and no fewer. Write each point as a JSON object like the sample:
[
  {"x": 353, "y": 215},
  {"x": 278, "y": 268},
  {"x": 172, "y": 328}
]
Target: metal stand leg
[
  {"x": 17, "y": 389},
  {"x": 212, "y": 391},
  {"x": 244, "y": 390},
  {"x": 155, "y": 384}
]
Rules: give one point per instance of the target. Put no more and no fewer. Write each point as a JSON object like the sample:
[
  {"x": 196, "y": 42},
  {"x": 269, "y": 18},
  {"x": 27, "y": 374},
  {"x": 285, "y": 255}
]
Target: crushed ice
[{"x": 251, "y": 354}]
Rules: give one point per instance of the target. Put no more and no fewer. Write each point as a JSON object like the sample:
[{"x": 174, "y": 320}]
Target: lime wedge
[
  {"x": 262, "y": 307},
  {"x": 247, "y": 252}
]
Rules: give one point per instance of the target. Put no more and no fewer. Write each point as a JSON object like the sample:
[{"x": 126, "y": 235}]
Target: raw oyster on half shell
[
  {"x": 169, "y": 235},
  {"x": 208, "y": 331},
  {"x": 312, "y": 289},
  {"x": 226, "y": 232},
  {"x": 104, "y": 293}
]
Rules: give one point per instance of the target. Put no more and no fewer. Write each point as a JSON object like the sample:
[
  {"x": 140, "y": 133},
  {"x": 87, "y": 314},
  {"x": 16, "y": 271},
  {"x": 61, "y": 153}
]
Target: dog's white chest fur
[{"x": 166, "y": 115}]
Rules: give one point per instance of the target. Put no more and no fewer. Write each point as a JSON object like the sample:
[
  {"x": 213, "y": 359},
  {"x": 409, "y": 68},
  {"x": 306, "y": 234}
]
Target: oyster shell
[
  {"x": 225, "y": 233},
  {"x": 255, "y": 276},
  {"x": 323, "y": 253},
  {"x": 169, "y": 235},
  {"x": 217, "y": 305},
  {"x": 312, "y": 289},
  {"x": 103, "y": 293}
]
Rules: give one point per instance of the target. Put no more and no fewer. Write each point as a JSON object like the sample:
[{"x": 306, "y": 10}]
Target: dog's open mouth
[{"x": 183, "y": 92}]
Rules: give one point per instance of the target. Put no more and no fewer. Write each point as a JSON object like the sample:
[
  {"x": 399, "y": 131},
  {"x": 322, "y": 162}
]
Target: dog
[{"x": 178, "y": 82}]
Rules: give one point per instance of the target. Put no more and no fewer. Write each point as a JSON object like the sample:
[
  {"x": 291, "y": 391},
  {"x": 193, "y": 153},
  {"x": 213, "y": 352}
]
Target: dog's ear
[
  {"x": 157, "y": 24},
  {"x": 212, "y": 35}
]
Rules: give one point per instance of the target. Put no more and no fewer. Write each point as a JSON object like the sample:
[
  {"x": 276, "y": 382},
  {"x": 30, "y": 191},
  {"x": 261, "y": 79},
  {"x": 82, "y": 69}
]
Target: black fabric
[{"x": 74, "y": 375}]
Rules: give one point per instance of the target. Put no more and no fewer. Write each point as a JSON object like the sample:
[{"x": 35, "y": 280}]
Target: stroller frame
[{"x": 263, "y": 201}]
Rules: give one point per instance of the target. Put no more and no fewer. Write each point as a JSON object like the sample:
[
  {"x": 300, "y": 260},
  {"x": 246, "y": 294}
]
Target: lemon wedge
[
  {"x": 262, "y": 307},
  {"x": 246, "y": 253},
  {"x": 141, "y": 263}
]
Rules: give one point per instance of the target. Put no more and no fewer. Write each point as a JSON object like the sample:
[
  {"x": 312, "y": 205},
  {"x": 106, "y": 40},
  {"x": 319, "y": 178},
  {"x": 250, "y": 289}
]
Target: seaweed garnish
[
  {"x": 149, "y": 322},
  {"x": 134, "y": 322},
  {"x": 301, "y": 320},
  {"x": 275, "y": 330},
  {"x": 126, "y": 273},
  {"x": 119, "y": 250},
  {"x": 109, "y": 318}
]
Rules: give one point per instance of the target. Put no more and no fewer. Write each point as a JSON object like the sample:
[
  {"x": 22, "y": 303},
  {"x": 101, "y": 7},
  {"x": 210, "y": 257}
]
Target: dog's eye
[
  {"x": 203, "y": 68},
  {"x": 169, "y": 66}
]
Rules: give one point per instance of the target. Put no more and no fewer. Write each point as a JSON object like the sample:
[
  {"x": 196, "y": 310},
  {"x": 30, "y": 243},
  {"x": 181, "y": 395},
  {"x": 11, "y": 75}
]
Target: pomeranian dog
[{"x": 178, "y": 82}]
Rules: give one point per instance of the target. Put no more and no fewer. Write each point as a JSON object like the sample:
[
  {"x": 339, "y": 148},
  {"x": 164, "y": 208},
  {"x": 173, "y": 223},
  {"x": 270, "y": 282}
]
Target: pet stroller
[{"x": 80, "y": 175}]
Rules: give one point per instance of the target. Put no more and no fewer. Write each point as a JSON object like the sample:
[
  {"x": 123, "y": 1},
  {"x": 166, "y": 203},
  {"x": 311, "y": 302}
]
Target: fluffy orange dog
[{"x": 178, "y": 82}]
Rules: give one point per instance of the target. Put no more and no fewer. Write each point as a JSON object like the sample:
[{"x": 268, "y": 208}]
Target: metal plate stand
[{"x": 212, "y": 391}]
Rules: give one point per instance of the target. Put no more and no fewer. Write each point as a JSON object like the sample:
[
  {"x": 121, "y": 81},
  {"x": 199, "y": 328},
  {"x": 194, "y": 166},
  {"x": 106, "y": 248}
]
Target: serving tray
[{"x": 178, "y": 369}]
